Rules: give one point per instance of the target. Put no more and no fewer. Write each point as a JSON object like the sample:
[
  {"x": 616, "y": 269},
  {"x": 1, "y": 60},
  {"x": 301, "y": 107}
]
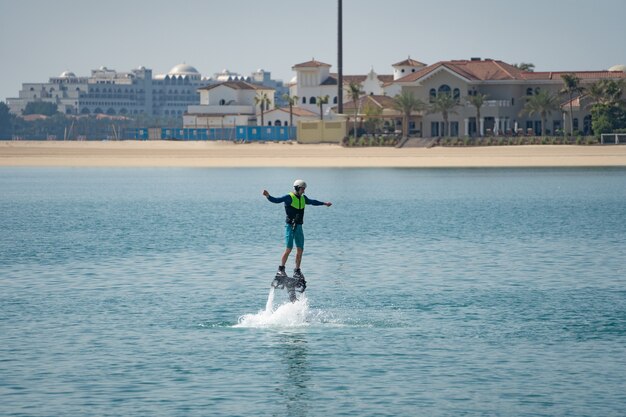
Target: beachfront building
[
  {"x": 227, "y": 104},
  {"x": 259, "y": 77},
  {"x": 505, "y": 86},
  {"x": 312, "y": 83},
  {"x": 281, "y": 116},
  {"x": 507, "y": 89},
  {"x": 107, "y": 91},
  {"x": 135, "y": 92},
  {"x": 314, "y": 80}
]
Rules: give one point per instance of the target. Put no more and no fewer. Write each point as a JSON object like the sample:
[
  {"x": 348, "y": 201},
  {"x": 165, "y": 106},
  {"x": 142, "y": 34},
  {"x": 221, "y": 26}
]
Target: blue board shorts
[{"x": 291, "y": 235}]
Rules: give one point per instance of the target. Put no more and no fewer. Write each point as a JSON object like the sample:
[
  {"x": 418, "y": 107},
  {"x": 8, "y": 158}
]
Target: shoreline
[{"x": 293, "y": 155}]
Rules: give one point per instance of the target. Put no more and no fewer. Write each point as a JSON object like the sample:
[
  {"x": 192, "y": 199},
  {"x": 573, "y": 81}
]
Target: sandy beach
[{"x": 228, "y": 154}]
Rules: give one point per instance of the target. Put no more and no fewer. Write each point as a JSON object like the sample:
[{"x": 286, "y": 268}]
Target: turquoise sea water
[{"x": 144, "y": 292}]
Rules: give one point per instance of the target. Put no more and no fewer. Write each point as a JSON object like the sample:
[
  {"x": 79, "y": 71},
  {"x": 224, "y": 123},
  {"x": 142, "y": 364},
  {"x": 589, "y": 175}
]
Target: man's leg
[
  {"x": 286, "y": 256},
  {"x": 288, "y": 244},
  {"x": 299, "y": 239},
  {"x": 299, "y": 252}
]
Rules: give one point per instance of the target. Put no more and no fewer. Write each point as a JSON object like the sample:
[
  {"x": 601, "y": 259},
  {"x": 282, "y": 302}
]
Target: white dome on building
[
  {"x": 618, "y": 68},
  {"x": 183, "y": 69},
  {"x": 67, "y": 74}
]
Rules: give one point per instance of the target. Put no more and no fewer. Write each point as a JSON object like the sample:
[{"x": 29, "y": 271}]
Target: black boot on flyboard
[{"x": 297, "y": 283}]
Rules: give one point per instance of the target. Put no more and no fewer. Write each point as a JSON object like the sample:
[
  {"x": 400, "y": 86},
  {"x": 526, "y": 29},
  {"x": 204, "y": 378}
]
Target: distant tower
[{"x": 406, "y": 67}]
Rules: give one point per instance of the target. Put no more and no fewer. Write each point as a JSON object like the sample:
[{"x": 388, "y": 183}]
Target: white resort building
[
  {"x": 107, "y": 91},
  {"x": 138, "y": 91},
  {"x": 227, "y": 104}
]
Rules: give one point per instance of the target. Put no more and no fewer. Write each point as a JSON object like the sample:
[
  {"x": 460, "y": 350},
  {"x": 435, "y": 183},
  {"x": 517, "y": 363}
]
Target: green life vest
[{"x": 295, "y": 211}]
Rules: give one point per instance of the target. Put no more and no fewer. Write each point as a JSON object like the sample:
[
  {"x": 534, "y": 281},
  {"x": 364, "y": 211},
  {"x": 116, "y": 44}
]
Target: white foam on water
[{"x": 287, "y": 314}]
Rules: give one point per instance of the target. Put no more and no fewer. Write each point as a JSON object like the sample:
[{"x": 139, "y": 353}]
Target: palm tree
[
  {"x": 321, "y": 100},
  {"x": 444, "y": 103},
  {"x": 608, "y": 92},
  {"x": 543, "y": 103},
  {"x": 525, "y": 66},
  {"x": 407, "y": 103},
  {"x": 372, "y": 114},
  {"x": 355, "y": 92},
  {"x": 292, "y": 100},
  {"x": 608, "y": 108},
  {"x": 263, "y": 101},
  {"x": 571, "y": 87},
  {"x": 477, "y": 100}
]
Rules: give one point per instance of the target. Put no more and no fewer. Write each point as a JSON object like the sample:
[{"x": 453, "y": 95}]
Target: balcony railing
[
  {"x": 498, "y": 103},
  {"x": 492, "y": 103}
]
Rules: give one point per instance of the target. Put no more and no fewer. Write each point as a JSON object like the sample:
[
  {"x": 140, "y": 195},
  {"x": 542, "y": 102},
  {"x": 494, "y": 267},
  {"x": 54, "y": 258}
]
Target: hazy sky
[{"x": 42, "y": 38}]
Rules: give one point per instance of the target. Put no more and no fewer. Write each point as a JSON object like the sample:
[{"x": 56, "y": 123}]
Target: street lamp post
[{"x": 339, "y": 58}]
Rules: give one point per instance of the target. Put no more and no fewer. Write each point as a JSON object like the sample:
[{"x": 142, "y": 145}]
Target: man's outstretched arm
[{"x": 284, "y": 199}]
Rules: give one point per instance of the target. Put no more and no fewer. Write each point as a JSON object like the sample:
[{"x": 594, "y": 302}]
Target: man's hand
[
  {"x": 328, "y": 204},
  {"x": 265, "y": 193}
]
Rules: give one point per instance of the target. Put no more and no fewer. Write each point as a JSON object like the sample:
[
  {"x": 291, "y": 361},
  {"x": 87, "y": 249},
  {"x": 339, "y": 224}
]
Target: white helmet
[{"x": 299, "y": 184}]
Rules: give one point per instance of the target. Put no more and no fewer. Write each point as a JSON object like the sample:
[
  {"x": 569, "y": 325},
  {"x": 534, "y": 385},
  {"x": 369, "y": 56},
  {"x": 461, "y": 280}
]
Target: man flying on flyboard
[{"x": 295, "y": 203}]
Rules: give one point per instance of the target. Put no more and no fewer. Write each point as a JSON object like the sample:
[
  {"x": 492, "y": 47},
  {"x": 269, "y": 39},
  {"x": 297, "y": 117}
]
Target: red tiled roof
[
  {"x": 237, "y": 85},
  {"x": 409, "y": 62},
  {"x": 347, "y": 79},
  {"x": 331, "y": 80},
  {"x": 297, "y": 111},
  {"x": 472, "y": 70},
  {"x": 583, "y": 75},
  {"x": 32, "y": 117},
  {"x": 311, "y": 64},
  {"x": 494, "y": 70},
  {"x": 383, "y": 102}
]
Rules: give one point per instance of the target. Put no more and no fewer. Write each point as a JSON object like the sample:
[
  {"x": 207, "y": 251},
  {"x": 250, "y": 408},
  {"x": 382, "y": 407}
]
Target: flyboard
[{"x": 291, "y": 284}]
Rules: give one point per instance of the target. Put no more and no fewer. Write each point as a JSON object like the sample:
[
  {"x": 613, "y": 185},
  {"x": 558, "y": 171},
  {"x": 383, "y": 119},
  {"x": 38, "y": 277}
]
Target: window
[
  {"x": 312, "y": 100},
  {"x": 222, "y": 102},
  {"x": 444, "y": 89},
  {"x": 457, "y": 94},
  {"x": 587, "y": 125},
  {"x": 335, "y": 100},
  {"x": 454, "y": 129},
  {"x": 434, "y": 129},
  {"x": 472, "y": 127},
  {"x": 529, "y": 91},
  {"x": 432, "y": 94},
  {"x": 303, "y": 100}
]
